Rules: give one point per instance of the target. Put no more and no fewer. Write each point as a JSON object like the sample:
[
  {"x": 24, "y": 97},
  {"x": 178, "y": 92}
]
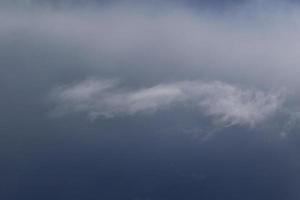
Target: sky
[{"x": 149, "y": 100}]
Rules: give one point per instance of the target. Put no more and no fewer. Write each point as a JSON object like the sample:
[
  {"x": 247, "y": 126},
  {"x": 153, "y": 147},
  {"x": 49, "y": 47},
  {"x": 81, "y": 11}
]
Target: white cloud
[
  {"x": 233, "y": 105},
  {"x": 228, "y": 104},
  {"x": 105, "y": 98}
]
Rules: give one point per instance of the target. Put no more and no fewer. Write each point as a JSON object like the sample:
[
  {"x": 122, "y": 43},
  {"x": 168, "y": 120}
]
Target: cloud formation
[
  {"x": 226, "y": 103},
  {"x": 242, "y": 46},
  {"x": 142, "y": 45}
]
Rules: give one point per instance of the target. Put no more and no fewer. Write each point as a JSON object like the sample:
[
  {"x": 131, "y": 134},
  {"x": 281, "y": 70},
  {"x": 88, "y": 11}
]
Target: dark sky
[{"x": 191, "y": 100}]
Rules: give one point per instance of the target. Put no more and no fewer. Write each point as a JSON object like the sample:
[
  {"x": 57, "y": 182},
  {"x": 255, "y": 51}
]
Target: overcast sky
[{"x": 149, "y": 100}]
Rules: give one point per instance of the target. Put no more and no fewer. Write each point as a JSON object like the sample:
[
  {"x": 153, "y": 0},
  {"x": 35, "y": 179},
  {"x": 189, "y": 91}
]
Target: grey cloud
[
  {"x": 143, "y": 46},
  {"x": 176, "y": 41},
  {"x": 228, "y": 104}
]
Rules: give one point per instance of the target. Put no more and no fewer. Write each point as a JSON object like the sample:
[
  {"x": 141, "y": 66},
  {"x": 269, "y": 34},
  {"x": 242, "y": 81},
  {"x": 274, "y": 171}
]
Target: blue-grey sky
[{"x": 149, "y": 100}]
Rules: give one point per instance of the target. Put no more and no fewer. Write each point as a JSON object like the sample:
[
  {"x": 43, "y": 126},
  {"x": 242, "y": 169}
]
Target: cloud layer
[
  {"x": 242, "y": 46},
  {"x": 210, "y": 61}
]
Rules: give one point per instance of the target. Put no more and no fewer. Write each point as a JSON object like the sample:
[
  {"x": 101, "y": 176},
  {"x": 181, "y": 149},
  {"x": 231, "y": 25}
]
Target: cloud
[
  {"x": 176, "y": 42},
  {"x": 228, "y": 104},
  {"x": 105, "y": 98},
  {"x": 142, "y": 45},
  {"x": 233, "y": 105}
]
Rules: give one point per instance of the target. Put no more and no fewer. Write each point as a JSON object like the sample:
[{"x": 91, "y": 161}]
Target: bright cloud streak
[{"x": 226, "y": 103}]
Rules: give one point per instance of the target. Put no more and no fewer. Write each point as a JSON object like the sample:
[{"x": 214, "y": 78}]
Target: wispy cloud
[{"x": 226, "y": 103}]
